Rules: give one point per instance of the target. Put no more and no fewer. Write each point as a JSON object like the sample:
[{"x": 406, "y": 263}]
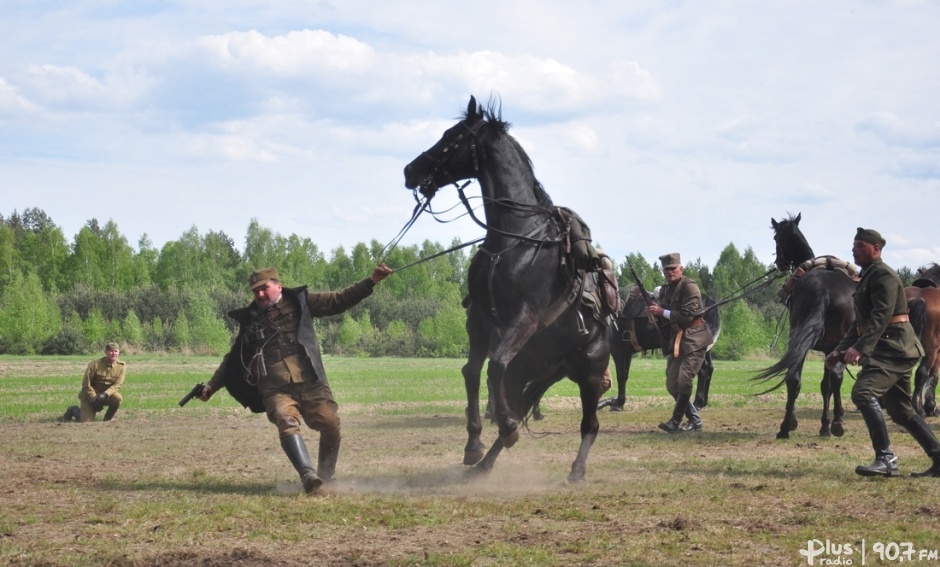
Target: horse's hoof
[
  {"x": 783, "y": 435},
  {"x": 472, "y": 457},
  {"x": 616, "y": 407},
  {"x": 824, "y": 432},
  {"x": 477, "y": 472},
  {"x": 838, "y": 429},
  {"x": 575, "y": 478},
  {"x": 510, "y": 439}
]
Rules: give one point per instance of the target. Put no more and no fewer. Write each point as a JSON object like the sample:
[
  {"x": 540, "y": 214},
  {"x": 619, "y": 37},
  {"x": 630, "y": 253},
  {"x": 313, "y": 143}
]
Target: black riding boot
[
  {"x": 921, "y": 433},
  {"x": 110, "y": 413},
  {"x": 885, "y": 463},
  {"x": 682, "y": 405},
  {"x": 326, "y": 460},
  {"x": 296, "y": 451},
  {"x": 695, "y": 420}
]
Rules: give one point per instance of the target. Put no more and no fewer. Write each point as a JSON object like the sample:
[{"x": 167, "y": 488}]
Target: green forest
[{"x": 60, "y": 297}]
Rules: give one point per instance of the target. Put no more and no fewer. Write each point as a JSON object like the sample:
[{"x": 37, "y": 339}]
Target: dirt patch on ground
[{"x": 210, "y": 486}]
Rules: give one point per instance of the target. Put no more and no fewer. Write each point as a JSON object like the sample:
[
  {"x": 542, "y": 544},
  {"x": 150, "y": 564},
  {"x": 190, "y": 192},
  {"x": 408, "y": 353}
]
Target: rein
[{"x": 742, "y": 294}]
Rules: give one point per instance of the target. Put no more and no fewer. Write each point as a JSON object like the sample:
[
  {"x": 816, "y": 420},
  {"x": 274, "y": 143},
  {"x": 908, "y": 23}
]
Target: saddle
[
  {"x": 600, "y": 291},
  {"x": 818, "y": 263}
]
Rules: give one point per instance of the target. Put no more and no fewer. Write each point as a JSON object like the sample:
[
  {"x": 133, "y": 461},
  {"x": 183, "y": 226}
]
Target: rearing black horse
[
  {"x": 524, "y": 311},
  {"x": 634, "y": 333},
  {"x": 821, "y": 312}
]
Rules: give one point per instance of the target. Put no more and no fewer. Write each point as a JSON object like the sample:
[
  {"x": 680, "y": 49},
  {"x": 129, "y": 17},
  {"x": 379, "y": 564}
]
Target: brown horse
[
  {"x": 821, "y": 313},
  {"x": 923, "y": 301},
  {"x": 524, "y": 311}
]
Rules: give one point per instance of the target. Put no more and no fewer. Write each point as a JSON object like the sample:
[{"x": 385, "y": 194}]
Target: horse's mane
[
  {"x": 931, "y": 270},
  {"x": 493, "y": 114}
]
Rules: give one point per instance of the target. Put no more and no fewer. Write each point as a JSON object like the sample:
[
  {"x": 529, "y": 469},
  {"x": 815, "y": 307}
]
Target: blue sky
[{"x": 669, "y": 126}]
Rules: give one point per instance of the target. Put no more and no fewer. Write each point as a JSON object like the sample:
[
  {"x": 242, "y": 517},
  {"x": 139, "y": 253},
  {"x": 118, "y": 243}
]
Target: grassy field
[{"x": 208, "y": 485}]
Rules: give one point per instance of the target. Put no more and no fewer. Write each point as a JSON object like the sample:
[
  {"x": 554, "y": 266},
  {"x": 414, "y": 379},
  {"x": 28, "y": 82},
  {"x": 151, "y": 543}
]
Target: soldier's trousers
[
  {"x": 681, "y": 371},
  {"x": 88, "y": 412},
  {"x": 311, "y": 403}
]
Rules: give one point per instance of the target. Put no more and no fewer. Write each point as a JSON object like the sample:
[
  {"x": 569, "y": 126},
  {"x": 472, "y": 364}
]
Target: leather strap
[{"x": 902, "y": 318}]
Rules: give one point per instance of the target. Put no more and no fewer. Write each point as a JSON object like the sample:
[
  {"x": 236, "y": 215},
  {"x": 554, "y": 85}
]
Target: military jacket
[
  {"x": 103, "y": 376},
  {"x": 683, "y": 299},
  {"x": 295, "y": 311},
  {"x": 879, "y": 297}
]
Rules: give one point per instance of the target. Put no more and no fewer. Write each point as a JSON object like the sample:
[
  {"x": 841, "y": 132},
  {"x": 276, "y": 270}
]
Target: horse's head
[
  {"x": 792, "y": 247},
  {"x": 452, "y": 158}
]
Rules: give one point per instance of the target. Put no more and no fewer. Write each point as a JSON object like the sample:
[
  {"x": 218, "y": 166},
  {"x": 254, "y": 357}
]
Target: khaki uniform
[
  {"x": 101, "y": 376},
  {"x": 689, "y": 336}
]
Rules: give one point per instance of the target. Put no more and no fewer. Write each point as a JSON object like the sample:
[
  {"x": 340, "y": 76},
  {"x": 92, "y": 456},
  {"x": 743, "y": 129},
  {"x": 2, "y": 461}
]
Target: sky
[{"x": 667, "y": 125}]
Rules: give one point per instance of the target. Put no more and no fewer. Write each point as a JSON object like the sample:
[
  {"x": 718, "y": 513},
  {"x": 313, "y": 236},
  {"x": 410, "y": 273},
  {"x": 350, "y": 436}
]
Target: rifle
[
  {"x": 194, "y": 393},
  {"x": 663, "y": 337},
  {"x": 646, "y": 295}
]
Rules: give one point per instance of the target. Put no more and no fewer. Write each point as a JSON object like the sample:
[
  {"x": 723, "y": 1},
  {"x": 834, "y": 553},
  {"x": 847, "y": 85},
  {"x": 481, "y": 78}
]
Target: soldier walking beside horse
[
  {"x": 688, "y": 342},
  {"x": 884, "y": 343}
]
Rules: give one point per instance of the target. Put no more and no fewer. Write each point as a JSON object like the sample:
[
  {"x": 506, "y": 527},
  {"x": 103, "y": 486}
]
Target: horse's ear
[
  {"x": 472, "y": 108},
  {"x": 773, "y": 223},
  {"x": 796, "y": 221}
]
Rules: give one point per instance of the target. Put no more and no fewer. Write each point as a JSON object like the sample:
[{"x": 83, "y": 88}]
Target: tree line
[{"x": 61, "y": 297}]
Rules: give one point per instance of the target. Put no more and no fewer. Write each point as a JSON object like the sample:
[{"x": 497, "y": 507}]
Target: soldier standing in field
[
  {"x": 101, "y": 387},
  {"x": 884, "y": 343},
  {"x": 275, "y": 366},
  {"x": 689, "y": 337}
]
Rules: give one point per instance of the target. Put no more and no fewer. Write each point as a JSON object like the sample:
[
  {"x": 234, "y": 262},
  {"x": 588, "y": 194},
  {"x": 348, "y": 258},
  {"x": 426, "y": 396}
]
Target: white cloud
[{"x": 293, "y": 54}]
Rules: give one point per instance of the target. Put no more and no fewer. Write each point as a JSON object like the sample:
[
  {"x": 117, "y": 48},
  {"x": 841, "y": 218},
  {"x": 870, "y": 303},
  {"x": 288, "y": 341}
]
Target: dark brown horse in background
[
  {"x": 633, "y": 333},
  {"x": 821, "y": 312},
  {"x": 524, "y": 310},
  {"x": 923, "y": 301}
]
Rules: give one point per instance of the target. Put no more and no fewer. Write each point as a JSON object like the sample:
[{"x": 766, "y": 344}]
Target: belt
[
  {"x": 275, "y": 355},
  {"x": 902, "y": 318},
  {"x": 681, "y": 330}
]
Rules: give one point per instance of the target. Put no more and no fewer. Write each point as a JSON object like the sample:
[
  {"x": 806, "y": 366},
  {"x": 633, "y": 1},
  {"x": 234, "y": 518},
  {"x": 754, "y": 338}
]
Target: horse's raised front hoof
[
  {"x": 783, "y": 434},
  {"x": 838, "y": 429},
  {"x": 510, "y": 434},
  {"x": 700, "y": 404}
]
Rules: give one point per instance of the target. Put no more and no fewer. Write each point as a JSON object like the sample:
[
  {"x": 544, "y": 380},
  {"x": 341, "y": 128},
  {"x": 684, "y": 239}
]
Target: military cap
[
  {"x": 870, "y": 236},
  {"x": 111, "y": 346},
  {"x": 260, "y": 277},
  {"x": 670, "y": 260}
]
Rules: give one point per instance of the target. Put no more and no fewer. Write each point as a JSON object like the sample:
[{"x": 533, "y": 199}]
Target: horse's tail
[
  {"x": 802, "y": 340},
  {"x": 918, "y": 314},
  {"x": 713, "y": 320}
]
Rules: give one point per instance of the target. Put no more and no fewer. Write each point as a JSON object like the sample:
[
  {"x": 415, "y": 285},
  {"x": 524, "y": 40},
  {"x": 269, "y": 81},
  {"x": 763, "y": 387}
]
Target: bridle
[
  {"x": 448, "y": 151},
  {"x": 439, "y": 161}
]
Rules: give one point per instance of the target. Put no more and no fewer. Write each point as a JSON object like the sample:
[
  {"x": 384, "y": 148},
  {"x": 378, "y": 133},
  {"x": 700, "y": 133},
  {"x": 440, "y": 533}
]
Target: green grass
[{"x": 166, "y": 379}]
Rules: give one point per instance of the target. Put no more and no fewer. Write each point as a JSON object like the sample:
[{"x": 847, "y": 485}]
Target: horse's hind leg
[
  {"x": 838, "y": 412},
  {"x": 473, "y": 451},
  {"x": 790, "y": 423},
  {"x": 704, "y": 381}
]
